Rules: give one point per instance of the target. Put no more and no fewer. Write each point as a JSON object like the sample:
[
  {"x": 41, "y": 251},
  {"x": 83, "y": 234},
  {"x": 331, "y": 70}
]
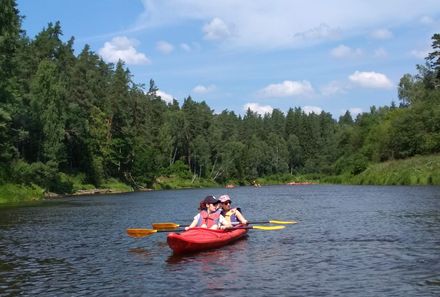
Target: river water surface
[{"x": 350, "y": 241}]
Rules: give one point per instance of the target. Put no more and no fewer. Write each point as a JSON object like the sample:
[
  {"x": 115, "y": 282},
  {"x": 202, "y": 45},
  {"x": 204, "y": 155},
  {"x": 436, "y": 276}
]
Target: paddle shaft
[
  {"x": 171, "y": 226},
  {"x": 138, "y": 232}
]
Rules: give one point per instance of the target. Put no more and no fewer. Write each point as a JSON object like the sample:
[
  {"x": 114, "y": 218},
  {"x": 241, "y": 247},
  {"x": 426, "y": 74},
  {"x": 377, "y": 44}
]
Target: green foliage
[
  {"x": 116, "y": 185},
  {"x": 78, "y": 181},
  {"x": 352, "y": 165},
  {"x": 13, "y": 193},
  {"x": 178, "y": 169},
  {"x": 420, "y": 170},
  {"x": 74, "y": 122},
  {"x": 45, "y": 175},
  {"x": 47, "y": 105}
]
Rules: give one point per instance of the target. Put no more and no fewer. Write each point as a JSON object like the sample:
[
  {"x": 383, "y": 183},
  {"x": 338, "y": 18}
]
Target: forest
[{"x": 68, "y": 120}]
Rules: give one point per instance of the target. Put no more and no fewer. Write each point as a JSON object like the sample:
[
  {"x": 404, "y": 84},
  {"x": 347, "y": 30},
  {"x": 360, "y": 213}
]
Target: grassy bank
[
  {"x": 419, "y": 170},
  {"x": 11, "y": 193},
  {"x": 14, "y": 193}
]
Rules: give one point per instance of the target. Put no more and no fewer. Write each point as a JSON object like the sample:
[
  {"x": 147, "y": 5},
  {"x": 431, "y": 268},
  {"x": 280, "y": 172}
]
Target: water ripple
[{"x": 350, "y": 241}]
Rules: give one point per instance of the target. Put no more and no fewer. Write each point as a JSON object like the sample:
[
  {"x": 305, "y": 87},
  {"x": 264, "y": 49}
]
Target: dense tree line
[{"x": 62, "y": 114}]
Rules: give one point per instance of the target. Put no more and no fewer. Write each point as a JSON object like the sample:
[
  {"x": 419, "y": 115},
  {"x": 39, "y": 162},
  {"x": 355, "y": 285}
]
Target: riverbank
[{"x": 419, "y": 170}]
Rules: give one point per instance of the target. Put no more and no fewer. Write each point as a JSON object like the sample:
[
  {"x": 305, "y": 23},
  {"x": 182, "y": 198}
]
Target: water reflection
[
  {"x": 140, "y": 253},
  {"x": 209, "y": 257}
]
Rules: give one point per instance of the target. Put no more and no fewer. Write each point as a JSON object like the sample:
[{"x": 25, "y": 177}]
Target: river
[{"x": 349, "y": 241}]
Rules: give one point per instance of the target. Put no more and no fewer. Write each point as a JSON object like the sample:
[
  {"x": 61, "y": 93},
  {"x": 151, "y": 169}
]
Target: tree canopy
[{"x": 66, "y": 114}]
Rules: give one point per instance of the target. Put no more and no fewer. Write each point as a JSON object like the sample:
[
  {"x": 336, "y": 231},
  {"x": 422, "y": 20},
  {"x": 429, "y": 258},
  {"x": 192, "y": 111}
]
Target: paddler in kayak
[
  {"x": 233, "y": 216},
  {"x": 209, "y": 216}
]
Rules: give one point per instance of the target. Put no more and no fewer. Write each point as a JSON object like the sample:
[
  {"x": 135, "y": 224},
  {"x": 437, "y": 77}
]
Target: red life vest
[{"x": 209, "y": 220}]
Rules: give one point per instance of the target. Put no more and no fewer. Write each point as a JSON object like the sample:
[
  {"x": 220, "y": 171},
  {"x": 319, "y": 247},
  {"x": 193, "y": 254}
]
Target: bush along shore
[{"x": 419, "y": 170}]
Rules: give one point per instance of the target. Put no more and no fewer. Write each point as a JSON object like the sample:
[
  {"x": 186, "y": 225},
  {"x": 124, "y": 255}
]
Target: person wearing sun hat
[
  {"x": 233, "y": 216},
  {"x": 208, "y": 217}
]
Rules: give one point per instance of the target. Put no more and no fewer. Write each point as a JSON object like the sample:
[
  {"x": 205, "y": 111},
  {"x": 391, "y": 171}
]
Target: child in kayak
[
  {"x": 209, "y": 216},
  {"x": 233, "y": 216}
]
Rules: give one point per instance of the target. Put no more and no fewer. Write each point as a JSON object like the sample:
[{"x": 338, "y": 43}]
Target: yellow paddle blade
[
  {"x": 283, "y": 222},
  {"x": 165, "y": 226},
  {"x": 268, "y": 227},
  {"x": 138, "y": 233}
]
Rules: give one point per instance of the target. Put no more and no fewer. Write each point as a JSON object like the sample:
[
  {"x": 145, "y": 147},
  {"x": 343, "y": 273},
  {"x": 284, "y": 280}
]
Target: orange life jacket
[{"x": 208, "y": 219}]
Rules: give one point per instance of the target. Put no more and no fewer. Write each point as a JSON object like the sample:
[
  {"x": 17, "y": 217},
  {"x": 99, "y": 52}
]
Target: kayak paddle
[
  {"x": 275, "y": 222},
  {"x": 266, "y": 228},
  {"x": 167, "y": 226},
  {"x": 139, "y": 232},
  {"x": 170, "y": 226}
]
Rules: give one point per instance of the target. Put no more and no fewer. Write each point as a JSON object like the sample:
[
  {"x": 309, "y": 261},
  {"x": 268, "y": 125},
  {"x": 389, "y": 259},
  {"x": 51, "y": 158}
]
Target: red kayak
[{"x": 199, "y": 239}]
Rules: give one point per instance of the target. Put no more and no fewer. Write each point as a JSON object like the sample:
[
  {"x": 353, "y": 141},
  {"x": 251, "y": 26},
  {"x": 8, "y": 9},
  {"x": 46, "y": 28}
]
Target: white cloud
[
  {"x": 164, "y": 47},
  {"x": 333, "y": 88},
  {"x": 286, "y": 88},
  {"x": 256, "y": 107},
  {"x": 312, "y": 109},
  {"x": 370, "y": 80},
  {"x": 121, "y": 47},
  {"x": 165, "y": 97},
  {"x": 323, "y": 31},
  {"x": 216, "y": 30},
  {"x": 420, "y": 54},
  {"x": 283, "y": 23},
  {"x": 343, "y": 51},
  {"x": 200, "y": 89},
  {"x": 380, "y": 53},
  {"x": 381, "y": 34}
]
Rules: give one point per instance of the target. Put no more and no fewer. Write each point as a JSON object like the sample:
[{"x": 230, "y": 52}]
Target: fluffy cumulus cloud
[
  {"x": 164, "y": 47},
  {"x": 121, "y": 47},
  {"x": 312, "y": 109},
  {"x": 256, "y": 107},
  {"x": 381, "y": 34},
  {"x": 343, "y": 51},
  {"x": 164, "y": 96},
  {"x": 370, "y": 80},
  {"x": 216, "y": 29},
  {"x": 200, "y": 89},
  {"x": 287, "y": 88}
]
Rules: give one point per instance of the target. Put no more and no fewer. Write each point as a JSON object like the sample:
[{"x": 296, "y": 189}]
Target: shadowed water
[{"x": 350, "y": 241}]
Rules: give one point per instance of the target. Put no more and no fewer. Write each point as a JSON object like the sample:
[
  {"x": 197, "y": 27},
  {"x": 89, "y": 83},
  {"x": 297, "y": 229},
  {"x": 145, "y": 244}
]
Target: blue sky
[{"x": 318, "y": 55}]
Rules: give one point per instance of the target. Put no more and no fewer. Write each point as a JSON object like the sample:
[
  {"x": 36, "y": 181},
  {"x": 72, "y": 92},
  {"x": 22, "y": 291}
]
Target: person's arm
[
  {"x": 194, "y": 222},
  {"x": 240, "y": 217},
  {"x": 223, "y": 224}
]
